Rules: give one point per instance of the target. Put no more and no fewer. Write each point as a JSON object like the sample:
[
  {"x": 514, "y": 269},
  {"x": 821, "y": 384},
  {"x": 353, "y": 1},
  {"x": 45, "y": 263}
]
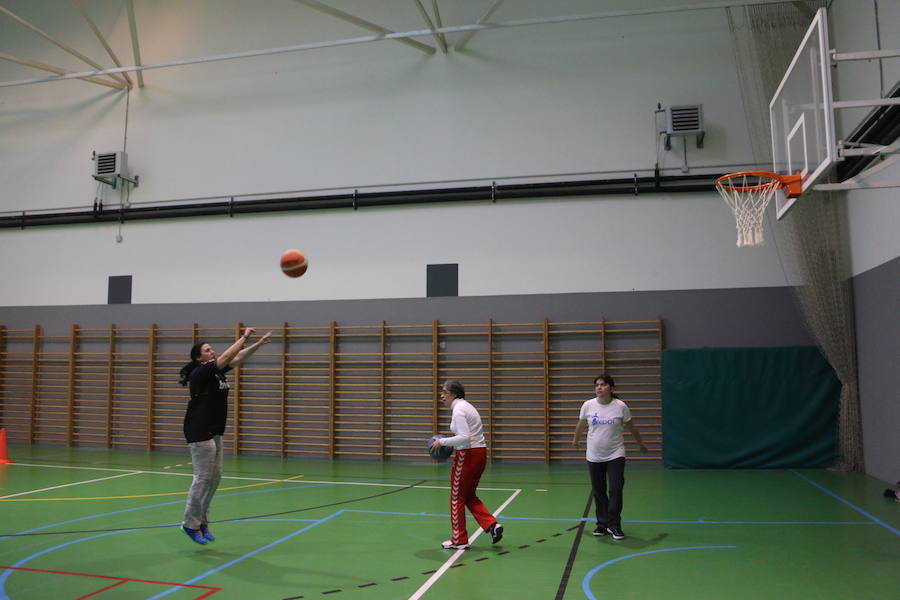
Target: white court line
[
  {"x": 418, "y": 487},
  {"x": 437, "y": 575},
  {"x": 21, "y": 464},
  {"x": 399, "y": 485},
  {"x": 56, "y": 487}
]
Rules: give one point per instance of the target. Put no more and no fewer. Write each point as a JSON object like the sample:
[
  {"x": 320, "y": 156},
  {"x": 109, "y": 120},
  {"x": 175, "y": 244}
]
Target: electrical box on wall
[
  {"x": 110, "y": 164},
  {"x": 109, "y": 167},
  {"x": 685, "y": 120}
]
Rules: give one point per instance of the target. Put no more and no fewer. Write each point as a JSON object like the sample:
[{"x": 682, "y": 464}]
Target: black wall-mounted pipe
[{"x": 492, "y": 192}]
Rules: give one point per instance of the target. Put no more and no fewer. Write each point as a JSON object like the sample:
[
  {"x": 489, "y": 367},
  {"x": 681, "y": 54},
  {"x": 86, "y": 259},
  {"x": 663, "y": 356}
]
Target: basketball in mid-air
[
  {"x": 293, "y": 263},
  {"x": 439, "y": 452}
]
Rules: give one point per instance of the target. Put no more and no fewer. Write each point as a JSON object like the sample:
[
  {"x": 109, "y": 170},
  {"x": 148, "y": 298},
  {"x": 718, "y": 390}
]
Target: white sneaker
[{"x": 449, "y": 545}]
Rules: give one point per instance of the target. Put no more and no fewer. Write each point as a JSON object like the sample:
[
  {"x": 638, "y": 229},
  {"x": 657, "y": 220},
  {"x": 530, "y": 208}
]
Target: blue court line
[
  {"x": 707, "y": 522},
  {"x": 663, "y": 521},
  {"x": 585, "y": 583},
  {"x": 8, "y": 572},
  {"x": 847, "y": 502},
  {"x": 246, "y": 556},
  {"x": 148, "y": 506},
  {"x": 4, "y": 577}
]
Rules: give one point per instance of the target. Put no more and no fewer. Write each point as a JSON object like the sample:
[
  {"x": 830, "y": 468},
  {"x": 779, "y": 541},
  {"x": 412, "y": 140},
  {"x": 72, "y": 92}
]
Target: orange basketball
[{"x": 293, "y": 263}]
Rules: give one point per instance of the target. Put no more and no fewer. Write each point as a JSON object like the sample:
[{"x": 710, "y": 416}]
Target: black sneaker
[
  {"x": 601, "y": 530},
  {"x": 496, "y": 533},
  {"x": 616, "y": 532}
]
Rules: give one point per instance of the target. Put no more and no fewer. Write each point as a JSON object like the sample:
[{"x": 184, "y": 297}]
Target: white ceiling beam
[
  {"x": 487, "y": 15},
  {"x": 438, "y": 37},
  {"x": 102, "y": 39},
  {"x": 52, "y": 40},
  {"x": 45, "y": 67},
  {"x": 437, "y": 19},
  {"x": 344, "y": 16},
  {"x": 395, "y": 36},
  {"x": 135, "y": 48}
]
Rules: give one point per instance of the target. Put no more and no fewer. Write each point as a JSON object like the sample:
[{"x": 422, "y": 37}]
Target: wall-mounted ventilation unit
[
  {"x": 683, "y": 121},
  {"x": 110, "y": 164},
  {"x": 109, "y": 167}
]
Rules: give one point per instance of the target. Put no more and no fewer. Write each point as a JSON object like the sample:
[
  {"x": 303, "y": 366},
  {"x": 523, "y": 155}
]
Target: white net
[
  {"x": 765, "y": 38},
  {"x": 748, "y": 195}
]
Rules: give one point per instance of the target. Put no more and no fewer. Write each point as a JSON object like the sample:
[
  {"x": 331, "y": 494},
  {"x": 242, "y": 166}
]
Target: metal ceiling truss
[
  {"x": 102, "y": 39},
  {"x": 135, "y": 48},
  {"x": 115, "y": 76},
  {"x": 435, "y": 29},
  {"x": 345, "y": 16}
]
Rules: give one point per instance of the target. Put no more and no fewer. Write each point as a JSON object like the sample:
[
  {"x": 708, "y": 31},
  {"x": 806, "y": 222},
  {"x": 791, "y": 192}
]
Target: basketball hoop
[{"x": 748, "y": 194}]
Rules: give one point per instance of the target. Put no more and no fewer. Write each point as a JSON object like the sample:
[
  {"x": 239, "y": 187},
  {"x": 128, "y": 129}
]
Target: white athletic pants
[{"x": 207, "y": 459}]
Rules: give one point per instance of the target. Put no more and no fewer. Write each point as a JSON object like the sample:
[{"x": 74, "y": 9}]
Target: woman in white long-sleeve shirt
[{"x": 469, "y": 460}]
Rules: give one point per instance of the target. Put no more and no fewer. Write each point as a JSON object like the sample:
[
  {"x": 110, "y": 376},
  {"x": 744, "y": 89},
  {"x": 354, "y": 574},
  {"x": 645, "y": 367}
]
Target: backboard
[{"x": 802, "y": 114}]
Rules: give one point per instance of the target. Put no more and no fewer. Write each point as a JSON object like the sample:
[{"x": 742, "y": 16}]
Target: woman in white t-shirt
[{"x": 605, "y": 416}]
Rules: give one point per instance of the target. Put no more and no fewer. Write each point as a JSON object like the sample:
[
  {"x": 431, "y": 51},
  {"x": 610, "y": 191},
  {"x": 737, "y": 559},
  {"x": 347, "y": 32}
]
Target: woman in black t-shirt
[{"x": 204, "y": 425}]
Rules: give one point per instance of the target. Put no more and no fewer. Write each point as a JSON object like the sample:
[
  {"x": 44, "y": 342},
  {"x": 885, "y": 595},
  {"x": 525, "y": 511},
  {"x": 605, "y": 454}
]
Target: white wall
[
  {"x": 550, "y": 99},
  {"x": 515, "y": 247}
]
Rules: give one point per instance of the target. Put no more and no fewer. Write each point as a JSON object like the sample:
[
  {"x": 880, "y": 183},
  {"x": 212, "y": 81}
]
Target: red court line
[
  {"x": 100, "y": 591},
  {"x": 120, "y": 581}
]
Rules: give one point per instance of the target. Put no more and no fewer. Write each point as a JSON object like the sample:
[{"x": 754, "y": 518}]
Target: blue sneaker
[
  {"x": 205, "y": 532},
  {"x": 194, "y": 534}
]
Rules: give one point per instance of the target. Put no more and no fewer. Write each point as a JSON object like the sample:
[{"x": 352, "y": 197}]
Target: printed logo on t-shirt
[
  {"x": 596, "y": 420},
  {"x": 223, "y": 384}
]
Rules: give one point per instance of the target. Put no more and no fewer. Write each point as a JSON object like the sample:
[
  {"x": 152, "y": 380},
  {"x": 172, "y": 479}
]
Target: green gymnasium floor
[{"x": 80, "y": 523}]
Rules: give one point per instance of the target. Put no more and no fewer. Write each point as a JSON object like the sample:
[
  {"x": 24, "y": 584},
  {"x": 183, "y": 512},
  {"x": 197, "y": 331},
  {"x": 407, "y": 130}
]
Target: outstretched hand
[{"x": 265, "y": 338}]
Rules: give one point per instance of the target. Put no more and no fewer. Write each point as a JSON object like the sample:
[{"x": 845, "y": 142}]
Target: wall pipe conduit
[{"x": 354, "y": 200}]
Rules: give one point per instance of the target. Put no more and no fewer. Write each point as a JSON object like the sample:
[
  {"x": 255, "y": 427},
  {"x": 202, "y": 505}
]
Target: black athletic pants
[{"x": 609, "y": 507}]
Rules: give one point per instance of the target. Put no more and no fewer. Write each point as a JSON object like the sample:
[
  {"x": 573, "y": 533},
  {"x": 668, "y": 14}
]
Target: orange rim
[
  {"x": 725, "y": 180},
  {"x": 792, "y": 184}
]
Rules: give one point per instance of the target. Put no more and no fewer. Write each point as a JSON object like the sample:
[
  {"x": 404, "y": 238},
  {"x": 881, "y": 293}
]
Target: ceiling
[{"x": 117, "y": 43}]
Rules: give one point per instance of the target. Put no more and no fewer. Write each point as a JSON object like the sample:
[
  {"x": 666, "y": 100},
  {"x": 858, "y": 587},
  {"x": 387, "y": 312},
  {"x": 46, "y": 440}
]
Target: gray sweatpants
[{"x": 207, "y": 459}]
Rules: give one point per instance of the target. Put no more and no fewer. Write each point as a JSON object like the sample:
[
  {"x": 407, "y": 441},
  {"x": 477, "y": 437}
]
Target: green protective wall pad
[{"x": 749, "y": 408}]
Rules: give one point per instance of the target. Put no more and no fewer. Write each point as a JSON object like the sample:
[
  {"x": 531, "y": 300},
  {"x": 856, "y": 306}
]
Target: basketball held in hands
[{"x": 439, "y": 452}]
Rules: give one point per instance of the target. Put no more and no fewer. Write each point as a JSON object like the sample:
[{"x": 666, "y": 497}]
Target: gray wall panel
[
  {"x": 693, "y": 318},
  {"x": 877, "y": 298}
]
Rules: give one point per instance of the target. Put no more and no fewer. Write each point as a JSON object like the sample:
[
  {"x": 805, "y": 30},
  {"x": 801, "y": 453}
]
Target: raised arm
[
  {"x": 227, "y": 357},
  {"x": 249, "y": 350}
]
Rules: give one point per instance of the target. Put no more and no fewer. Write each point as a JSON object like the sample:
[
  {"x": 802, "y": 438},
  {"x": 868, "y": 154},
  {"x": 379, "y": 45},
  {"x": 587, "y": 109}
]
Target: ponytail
[{"x": 186, "y": 370}]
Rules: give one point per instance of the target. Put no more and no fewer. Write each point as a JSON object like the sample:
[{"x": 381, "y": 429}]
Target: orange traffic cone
[{"x": 4, "y": 460}]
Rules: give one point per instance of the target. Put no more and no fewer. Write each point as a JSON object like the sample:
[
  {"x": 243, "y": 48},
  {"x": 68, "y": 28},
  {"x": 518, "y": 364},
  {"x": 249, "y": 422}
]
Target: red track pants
[{"x": 468, "y": 465}]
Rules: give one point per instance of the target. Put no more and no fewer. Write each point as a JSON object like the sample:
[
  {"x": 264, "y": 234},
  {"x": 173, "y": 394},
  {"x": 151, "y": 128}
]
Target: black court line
[
  {"x": 579, "y": 527},
  {"x": 286, "y": 512},
  {"x": 567, "y": 572}
]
